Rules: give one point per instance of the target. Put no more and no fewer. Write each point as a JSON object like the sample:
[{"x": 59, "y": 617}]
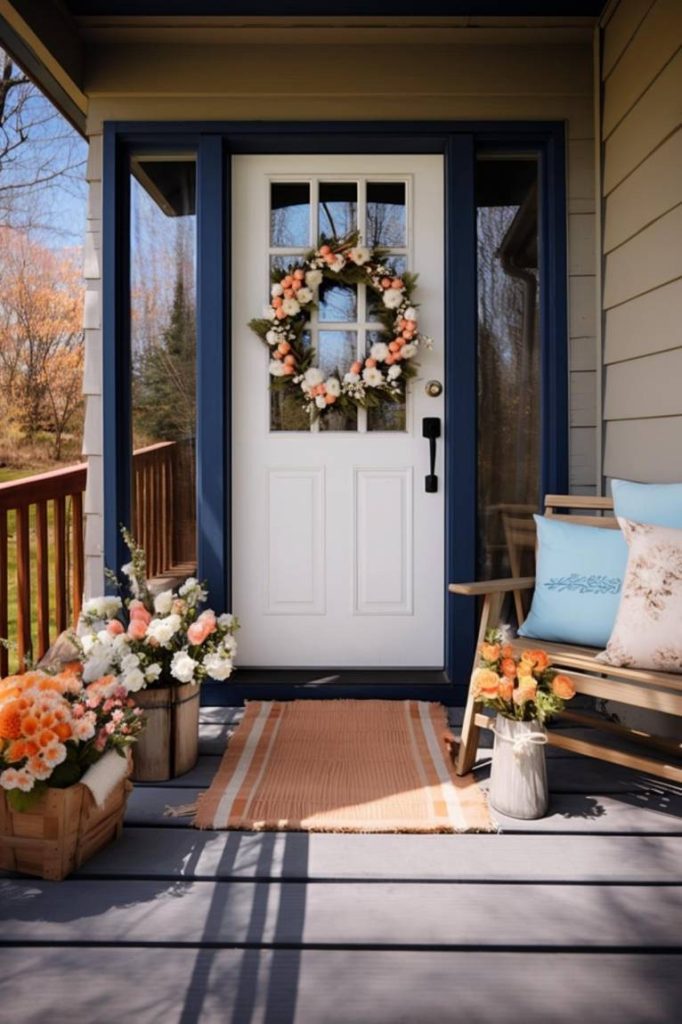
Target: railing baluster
[
  {"x": 4, "y": 607},
  {"x": 59, "y": 533},
  {"x": 24, "y": 644},
  {"x": 42, "y": 566},
  {"x": 78, "y": 567}
]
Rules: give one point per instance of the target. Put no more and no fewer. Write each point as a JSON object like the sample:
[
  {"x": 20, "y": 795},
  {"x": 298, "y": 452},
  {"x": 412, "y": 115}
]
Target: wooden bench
[{"x": 638, "y": 688}]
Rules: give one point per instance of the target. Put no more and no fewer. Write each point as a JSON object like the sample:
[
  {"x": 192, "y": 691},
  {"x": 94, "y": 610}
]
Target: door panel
[{"x": 338, "y": 550}]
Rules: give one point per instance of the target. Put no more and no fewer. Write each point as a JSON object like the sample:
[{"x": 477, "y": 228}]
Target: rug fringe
[{"x": 180, "y": 811}]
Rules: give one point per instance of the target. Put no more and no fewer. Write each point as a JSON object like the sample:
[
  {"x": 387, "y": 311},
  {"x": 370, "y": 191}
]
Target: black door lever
[{"x": 431, "y": 430}]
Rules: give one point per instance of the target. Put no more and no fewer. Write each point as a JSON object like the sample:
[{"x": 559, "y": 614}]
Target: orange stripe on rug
[{"x": 342, "y": 766}]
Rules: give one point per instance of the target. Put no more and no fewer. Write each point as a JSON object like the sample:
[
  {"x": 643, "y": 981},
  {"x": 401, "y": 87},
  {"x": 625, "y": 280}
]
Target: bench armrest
[{"x": 492, "y": 586}]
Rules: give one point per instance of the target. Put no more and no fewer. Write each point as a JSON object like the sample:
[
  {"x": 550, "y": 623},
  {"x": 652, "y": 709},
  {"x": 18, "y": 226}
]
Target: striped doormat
[{"x": 342, "y": 766}]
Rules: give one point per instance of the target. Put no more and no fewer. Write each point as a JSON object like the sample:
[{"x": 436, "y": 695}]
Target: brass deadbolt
[{"x": 434, "y": 388}]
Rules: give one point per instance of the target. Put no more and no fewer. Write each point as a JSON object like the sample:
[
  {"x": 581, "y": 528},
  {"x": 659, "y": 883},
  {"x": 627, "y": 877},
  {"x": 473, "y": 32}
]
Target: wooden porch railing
[{"x": 41, "y": 543}]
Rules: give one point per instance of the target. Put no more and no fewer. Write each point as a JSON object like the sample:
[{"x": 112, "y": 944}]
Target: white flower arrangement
[
  {"x": 152, "y": 640},
  {"x": 382, "y": 376}
]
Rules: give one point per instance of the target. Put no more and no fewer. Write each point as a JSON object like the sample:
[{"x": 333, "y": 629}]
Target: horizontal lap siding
[
  {"x": 514, "y": 80},
  {"x": 642, "y": 193}
]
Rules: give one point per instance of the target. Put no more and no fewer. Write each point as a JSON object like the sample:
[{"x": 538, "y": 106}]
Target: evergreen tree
[{"x": 165, "y": 375}]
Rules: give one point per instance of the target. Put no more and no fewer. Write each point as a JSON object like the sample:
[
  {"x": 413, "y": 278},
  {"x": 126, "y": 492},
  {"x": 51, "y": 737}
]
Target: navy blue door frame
[{"x": 214, "y": 143}]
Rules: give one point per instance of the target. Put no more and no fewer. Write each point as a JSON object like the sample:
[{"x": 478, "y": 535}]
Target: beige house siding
[
  {"x": 510, "y": 74},
  {"x": 642, "y": 239}
]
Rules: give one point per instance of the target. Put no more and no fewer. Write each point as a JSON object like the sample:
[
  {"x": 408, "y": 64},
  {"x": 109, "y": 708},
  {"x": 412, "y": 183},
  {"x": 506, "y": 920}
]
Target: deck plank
[
  {"x": 336, "y": 987},
  {"x": 190, "y": 854},
  {"x": 375, "y": 914},
  {"x": 637, "y": 812}
]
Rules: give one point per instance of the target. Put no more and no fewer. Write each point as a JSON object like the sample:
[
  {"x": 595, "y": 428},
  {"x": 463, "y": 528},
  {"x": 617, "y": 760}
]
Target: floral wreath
[{"x": 383, "y": 375}]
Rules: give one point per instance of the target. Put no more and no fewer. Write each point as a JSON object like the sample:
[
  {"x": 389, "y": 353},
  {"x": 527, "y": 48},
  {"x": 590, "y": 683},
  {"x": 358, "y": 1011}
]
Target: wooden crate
[
  {"x": 169, "y": 743},
  {"x": 61, "y": 831}
]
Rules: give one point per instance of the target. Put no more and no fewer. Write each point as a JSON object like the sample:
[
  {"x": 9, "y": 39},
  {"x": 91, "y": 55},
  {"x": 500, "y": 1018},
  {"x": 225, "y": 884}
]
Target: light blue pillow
[
  {"x": 578, "y": 581},
  {"x": 657, "y": 504}
]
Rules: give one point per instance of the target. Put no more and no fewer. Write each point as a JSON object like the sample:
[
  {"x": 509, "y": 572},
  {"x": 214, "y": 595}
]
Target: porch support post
[
  {"x": 116, "y": 365},
  {"x": 460, "y": 399},
  {"x": 214, "y": 414}
]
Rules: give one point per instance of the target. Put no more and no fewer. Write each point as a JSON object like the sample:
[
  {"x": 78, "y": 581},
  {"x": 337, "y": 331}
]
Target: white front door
[{"x": 338, "y": 551}]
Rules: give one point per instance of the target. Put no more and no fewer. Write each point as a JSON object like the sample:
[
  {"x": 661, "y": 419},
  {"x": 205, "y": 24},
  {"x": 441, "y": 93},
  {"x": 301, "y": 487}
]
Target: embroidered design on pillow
[
  {"x": 647, "y": 631},
  {"x": 585, "y": 584}
]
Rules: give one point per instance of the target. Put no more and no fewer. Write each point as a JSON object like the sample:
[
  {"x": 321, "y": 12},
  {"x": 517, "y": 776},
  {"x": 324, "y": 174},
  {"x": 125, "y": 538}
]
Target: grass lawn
[{"x": 16, "y": 474}]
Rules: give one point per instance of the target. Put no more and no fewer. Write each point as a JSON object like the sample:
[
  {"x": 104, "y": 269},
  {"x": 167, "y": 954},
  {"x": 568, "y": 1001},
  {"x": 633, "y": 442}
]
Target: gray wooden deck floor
[{"x": 575, "y": 916}]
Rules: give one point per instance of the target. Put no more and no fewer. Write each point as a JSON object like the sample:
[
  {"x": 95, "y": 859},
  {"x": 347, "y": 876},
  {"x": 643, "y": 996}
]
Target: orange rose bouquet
[{"x": 524, "y": 688}]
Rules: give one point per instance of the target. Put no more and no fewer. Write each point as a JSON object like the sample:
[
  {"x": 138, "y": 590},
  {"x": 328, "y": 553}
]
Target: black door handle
[{"x": 431, "y": 430}]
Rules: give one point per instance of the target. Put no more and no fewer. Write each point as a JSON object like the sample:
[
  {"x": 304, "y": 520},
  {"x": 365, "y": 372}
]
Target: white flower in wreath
[
  {"x": 152, "y": 672},
  {"x": 269, "y": 313},
  {"x": 320, "y": 402},
  {"x": 276, "y": 368},
  {"x": 410, "y": 313},
  {"x": 313, "y": 279},
  {"x": 273, "y": 337},
  {"x": 392, "y": 298},
  {"x": 182, "y": 667},
  {"x": 372, "y": 377},
  {"x": 163, "y": 602},
  {"x": 276, "y": 290},
  {"x": 333, "y": 386},
  {"x": 226, "y": 620},
  {"x": 408, "y": 351},
  {"x": 291, "y": 307},
  {"x": 351, "y": 378},
  {"x": 304, "y": 296},
  {"x": 394, "y": 372},
  {"x": 338, "y": 263},
  {"x": 360, "y": 255},
  {"x": 312, "y": 378},
  {"x": 129, "y": 662},
  {"x": 379, "y": 351}
]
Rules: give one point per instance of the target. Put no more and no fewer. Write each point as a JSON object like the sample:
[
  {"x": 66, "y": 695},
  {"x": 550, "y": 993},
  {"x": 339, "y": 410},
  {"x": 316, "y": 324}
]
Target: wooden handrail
[{"x": 42, "y": 556}]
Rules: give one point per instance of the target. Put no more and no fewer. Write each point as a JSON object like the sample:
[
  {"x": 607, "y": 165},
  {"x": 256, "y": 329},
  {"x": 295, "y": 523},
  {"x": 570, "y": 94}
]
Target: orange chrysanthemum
[
  {"x": 539, "y": 660},
  {"x": 10, "y": 721},
  {"x": 63, "y": 730},
  {"x": 46, "y": 737},
  {"x": 30, "y": 724}
]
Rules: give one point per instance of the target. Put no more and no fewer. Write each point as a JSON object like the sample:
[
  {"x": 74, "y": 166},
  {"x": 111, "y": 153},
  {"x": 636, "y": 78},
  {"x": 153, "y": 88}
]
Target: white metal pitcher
[{"x": 518, "y": 778}]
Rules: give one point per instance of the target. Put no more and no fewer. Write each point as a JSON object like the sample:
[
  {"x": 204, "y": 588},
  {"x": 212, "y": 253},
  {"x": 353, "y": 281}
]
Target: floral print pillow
[{"x": 648, "y": 628}]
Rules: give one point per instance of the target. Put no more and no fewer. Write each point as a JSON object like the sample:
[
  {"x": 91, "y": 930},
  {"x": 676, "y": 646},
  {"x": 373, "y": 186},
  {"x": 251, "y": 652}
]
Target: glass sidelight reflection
[{"x": 509, "y": 420}]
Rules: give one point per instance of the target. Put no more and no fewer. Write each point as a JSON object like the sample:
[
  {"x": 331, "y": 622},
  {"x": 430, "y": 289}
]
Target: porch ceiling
[
  {"x": 49, "y": 38},
  {"x": 361, "y": 8}
]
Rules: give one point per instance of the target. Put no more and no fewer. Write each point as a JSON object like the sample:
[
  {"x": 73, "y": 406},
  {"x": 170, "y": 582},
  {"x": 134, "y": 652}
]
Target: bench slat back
[{"x": 582, "y": 509}]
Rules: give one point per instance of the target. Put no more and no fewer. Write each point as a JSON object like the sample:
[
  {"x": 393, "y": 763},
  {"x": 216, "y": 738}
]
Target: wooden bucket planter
[
  {"x": 169, "y": 744},
  {"x": 61, "y": 831}
]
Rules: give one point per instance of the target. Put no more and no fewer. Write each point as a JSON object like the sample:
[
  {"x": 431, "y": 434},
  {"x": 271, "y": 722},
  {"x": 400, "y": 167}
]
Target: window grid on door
[{"x": 390, "y": 221}]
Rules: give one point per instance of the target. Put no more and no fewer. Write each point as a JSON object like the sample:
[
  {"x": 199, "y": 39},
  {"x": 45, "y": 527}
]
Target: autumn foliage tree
[{"x": 41, "y": 337}]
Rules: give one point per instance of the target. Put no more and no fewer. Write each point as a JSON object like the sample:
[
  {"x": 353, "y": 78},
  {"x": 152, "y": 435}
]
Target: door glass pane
[
  {"x": 290, "y": 213},
  {"x": 508, "y": 364},
  {"x": 163, "y": 355},
  {"x": 338, "y": 207},
  {"x": 336, "y": 351},
  {"x": 338, "y": 302},
  {"x": 386, "y": 213}
]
